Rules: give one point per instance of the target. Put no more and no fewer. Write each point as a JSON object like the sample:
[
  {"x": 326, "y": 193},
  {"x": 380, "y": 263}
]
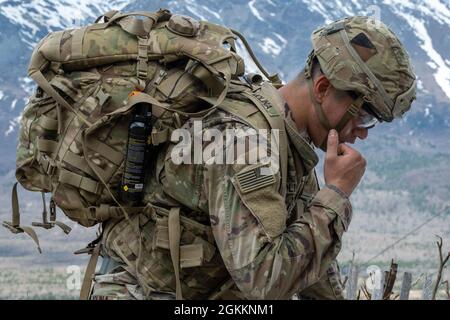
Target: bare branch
[
  {"x": 417, "y": 280},
  {"x": 442, "y": 262},
  {"x": 343, "y": 283},
  {"x": 446, "y": 288},
  {"x": 391, "y": 276},
  {"x": 365, "y": 291}
]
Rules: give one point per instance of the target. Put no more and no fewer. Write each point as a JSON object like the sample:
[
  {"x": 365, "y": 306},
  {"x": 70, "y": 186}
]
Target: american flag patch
[{"x": 252, "y": 180}]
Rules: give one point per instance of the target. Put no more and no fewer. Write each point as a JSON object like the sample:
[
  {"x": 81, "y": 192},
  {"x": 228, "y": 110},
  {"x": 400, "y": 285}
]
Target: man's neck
[{"x": 296, "y": 98}]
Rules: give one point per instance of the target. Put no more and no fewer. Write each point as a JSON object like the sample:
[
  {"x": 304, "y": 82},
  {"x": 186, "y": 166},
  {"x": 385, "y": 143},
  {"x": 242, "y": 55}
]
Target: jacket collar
[{"x": 301, "y": 142}]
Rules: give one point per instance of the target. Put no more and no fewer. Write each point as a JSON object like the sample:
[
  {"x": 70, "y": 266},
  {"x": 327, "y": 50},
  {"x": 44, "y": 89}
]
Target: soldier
[{"x": 214, "y": 230}]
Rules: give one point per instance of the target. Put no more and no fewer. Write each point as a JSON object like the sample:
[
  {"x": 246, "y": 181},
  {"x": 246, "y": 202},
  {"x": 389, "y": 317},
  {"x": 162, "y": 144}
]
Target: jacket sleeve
[
  {"x": 266, "y": 258},
  {"x": 329, "y": 287}
]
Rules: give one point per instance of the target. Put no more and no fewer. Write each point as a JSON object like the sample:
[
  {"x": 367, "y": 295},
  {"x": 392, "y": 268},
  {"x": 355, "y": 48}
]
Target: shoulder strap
[
  {"x": 249, "y": 113},
  {"x": 174, "y": 246},
  {"x": 275, "y": 118},
  {"x": 89, "y": 274}
]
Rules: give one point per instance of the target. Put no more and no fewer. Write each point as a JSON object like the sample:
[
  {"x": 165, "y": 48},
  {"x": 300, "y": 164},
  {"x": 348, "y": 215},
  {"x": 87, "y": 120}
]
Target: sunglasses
[{"x": 366, "y": 117}]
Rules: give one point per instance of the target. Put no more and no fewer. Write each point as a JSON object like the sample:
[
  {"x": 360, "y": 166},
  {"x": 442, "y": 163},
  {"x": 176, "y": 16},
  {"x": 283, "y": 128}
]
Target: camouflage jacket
[{"x": 272, "y": 246}]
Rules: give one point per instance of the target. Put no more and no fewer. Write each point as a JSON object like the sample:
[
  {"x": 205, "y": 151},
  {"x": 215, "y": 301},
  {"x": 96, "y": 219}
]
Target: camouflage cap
[{"x": 362, "y": 54}]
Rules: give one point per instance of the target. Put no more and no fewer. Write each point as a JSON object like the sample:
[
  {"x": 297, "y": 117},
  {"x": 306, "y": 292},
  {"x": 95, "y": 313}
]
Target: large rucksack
[{"x": 73, "y": 131}]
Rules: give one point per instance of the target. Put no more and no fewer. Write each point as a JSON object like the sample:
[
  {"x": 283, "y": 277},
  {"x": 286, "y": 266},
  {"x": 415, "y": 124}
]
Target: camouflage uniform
[{"x": 269, "y": 252}]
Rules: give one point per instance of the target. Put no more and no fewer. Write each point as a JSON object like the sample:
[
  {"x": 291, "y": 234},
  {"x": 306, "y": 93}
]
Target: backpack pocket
[{"x": 38, "y": 124}]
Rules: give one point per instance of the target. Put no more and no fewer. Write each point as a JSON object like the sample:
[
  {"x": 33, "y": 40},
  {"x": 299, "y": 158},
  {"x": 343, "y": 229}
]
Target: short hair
[{"x": 315, "y": 70}]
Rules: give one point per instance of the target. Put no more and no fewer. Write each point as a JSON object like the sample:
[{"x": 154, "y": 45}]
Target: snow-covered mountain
[{"x": 278, "y": 30}]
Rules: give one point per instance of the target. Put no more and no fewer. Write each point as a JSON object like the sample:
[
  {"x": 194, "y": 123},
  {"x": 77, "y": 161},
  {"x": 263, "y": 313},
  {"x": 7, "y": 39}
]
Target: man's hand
[{"x": 344, "y": 166}]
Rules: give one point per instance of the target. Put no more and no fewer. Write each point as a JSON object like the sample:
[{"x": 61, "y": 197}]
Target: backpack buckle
[
  {"x": 12, "y": 228},
  {"x": 50, "y": 224},
  {"x": 52, "y": 209},
  {"x": 48, "y": 164},
  {"x": 45, "y": 223},
  {"x": 89, "y": 248}
]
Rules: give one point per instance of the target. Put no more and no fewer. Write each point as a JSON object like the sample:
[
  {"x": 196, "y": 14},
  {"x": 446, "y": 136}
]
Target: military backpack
[{"x": 73, "y": 131}]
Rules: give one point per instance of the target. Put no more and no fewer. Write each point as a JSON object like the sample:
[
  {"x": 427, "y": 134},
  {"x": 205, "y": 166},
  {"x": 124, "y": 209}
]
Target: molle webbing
[
  {"x": 79, "y": 181},
  {"x": 48, "y": 123},
  {"x": 101, "y": 213}
]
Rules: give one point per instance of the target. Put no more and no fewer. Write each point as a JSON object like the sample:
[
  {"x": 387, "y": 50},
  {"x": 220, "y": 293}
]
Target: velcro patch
[{"x": 251, "y": 180}]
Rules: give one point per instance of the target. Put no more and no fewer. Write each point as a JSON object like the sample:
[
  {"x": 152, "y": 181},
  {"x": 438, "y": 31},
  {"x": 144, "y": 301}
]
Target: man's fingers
[
  {"x": 332, "y": 143},
  {"x": 344, "y": 149}
]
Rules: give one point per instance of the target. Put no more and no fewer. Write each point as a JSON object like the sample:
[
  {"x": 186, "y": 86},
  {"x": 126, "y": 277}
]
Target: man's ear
[{"x": 321, "y": 87}]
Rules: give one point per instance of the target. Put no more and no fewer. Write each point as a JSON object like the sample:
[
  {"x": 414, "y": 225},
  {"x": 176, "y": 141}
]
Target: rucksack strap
[
  {"x": 89, "y": 274},
  {"x": 118, "y": 16},
  {"x": 14, "y": 226},
  {"x": 79, "y": 181},
  {"x": 108, "y": 15},
  {"x": 102, "y": 213},
  {"x": 174, "y": 247},
  {"x": 135, "y": 26},
  {"x": 276, "y": 121},
  {"x": 274, "y": 79}
]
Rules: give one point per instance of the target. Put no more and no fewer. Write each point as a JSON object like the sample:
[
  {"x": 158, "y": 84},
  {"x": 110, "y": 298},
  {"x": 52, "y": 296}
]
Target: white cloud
[{"x": 255, "y": 11}]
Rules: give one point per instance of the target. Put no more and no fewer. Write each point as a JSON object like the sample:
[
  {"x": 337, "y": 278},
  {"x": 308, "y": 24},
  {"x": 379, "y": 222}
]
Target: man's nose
[{"x": 362, "y": 133}]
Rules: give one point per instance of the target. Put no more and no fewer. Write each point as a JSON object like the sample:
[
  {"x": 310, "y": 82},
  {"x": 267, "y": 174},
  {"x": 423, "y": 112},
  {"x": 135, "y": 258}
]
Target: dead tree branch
[
  {"x": 442, "y": 262},
  {"x": 391, "y": 276},
  {"x": 447, "y": 292}
]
